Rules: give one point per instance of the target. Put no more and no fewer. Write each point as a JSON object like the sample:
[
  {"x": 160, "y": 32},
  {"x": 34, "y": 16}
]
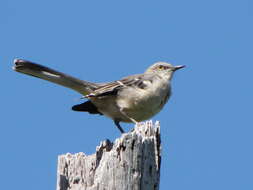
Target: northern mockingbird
[{"x": 132, "y": 99}]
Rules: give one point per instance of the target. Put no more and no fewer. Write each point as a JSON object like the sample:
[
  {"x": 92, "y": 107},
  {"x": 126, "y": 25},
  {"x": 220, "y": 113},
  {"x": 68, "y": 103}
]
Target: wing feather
[{"x": 111, "y": 88}]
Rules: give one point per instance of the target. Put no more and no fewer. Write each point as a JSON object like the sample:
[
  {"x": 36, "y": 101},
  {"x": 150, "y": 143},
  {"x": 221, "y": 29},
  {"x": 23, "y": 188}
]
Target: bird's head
[{"x": 164, "y": 69}]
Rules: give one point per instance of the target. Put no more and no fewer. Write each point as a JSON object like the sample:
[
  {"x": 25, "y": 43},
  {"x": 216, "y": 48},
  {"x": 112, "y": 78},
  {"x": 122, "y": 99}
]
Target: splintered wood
[{"x": 132, "y": 162}]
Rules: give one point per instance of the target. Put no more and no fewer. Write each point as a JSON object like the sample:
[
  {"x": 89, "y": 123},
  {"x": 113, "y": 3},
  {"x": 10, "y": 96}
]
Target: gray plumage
[{"x": 132, "y": 99}]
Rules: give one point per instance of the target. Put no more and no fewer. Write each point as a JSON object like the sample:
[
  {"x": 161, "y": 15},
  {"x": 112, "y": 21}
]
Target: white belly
[{"x": 142, "y": 104}]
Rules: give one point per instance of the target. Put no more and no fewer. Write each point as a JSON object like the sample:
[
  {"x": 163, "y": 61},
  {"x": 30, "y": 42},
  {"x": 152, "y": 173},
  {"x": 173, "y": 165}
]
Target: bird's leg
[
  {"x": 122, "y": 111},
  {"x": 118, "y": 126}
]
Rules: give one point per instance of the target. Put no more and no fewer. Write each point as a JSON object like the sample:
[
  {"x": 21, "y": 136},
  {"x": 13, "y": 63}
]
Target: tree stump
[{"x": 132, "y": 162}]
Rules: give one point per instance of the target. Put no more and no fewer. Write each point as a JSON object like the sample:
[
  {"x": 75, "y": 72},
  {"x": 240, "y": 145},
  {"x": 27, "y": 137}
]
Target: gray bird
[{"x": 132, "y": 99}]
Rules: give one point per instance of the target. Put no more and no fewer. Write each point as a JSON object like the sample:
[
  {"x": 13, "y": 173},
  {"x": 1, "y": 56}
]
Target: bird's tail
[{"x": 51, "y": 75}]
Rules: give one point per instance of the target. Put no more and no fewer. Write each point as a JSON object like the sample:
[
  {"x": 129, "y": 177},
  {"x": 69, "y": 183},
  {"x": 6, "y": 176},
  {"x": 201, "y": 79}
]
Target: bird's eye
[{"x": 161, "y": 67}]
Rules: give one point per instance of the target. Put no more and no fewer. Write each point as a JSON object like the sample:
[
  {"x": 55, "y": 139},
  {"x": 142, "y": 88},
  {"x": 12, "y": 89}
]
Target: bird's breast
[{"x": 141, "y": 104}]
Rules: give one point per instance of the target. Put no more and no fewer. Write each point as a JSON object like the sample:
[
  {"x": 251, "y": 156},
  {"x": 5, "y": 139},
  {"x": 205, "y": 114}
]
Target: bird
[{"x": 132, "y": 99}]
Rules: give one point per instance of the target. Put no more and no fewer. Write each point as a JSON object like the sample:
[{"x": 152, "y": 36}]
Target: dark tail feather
[
  {"x": 86, "y": 107},
  {"x": 36, "y": 70}
]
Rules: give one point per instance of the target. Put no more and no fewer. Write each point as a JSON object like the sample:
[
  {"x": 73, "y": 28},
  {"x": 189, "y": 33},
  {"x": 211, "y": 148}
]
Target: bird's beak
[{"x": 178, "y": 67}]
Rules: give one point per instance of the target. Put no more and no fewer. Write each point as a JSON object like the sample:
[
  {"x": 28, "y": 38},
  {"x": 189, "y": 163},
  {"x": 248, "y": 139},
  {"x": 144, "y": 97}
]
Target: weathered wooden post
[{"x": 132, "y": 162}]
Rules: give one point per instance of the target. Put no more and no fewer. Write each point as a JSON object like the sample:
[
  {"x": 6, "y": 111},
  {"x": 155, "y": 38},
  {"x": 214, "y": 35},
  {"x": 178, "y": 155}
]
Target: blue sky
[{"x": 207, "y": 124}]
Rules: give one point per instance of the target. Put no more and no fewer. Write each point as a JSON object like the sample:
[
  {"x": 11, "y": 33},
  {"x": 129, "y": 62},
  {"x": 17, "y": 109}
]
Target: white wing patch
[
  {"x": 120, "y": 83},
  {"x": 147, "y": 82}
]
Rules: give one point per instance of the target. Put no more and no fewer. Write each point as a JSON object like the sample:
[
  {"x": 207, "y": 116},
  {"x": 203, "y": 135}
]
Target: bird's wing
[{"x": 111, "y": 88}]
